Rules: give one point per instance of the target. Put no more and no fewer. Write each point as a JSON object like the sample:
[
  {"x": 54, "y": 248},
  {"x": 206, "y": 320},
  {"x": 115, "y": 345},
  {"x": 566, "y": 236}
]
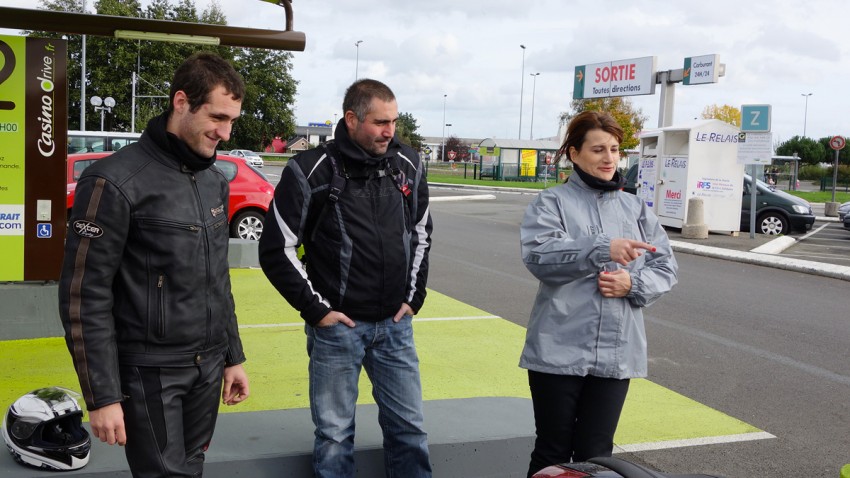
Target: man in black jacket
[
  {"x": 359, "y": 206},
  {"x": 144, "y": 294}
]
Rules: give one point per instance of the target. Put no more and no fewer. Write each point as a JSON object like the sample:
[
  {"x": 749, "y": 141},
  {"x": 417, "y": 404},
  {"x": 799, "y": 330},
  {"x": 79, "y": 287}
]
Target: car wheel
[
  {"x": 247, "y": 225},
  {"x": 772, "y": 224}
]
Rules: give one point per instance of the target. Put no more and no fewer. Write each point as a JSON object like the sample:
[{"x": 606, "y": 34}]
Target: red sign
[
  {"x": 837, "y": 143},
  {"x": 452, "y": 155}
]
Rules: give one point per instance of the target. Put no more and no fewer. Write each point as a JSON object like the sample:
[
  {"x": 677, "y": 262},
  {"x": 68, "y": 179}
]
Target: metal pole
[
  {"x": 753, "y": 192},
  {"x": 834, "y": 175},
  {"x": 83, "y": 82},
  {"x": 357, "y": 62},
  {"x": 533, "y": 90},
  {"x": 806, "y": 112},
  {"x": 443, "y": 148},
  {"x": 133, "y": 107},
  {"x": 668, "y": 95},
  {"x": 521, "y": 87}
]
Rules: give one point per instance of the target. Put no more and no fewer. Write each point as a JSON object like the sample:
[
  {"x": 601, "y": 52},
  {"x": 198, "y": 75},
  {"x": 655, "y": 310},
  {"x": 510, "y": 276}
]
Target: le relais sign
[{"x": 615, "y": 78}]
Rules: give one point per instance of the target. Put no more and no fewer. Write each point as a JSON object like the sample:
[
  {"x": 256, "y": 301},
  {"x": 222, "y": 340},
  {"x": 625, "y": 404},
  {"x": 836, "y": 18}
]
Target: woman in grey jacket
[{"x": 601, "y": 256}]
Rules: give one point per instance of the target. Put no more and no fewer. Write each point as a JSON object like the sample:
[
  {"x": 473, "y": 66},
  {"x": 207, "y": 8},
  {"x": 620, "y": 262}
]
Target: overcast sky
[{"x": 469, "y": 50}]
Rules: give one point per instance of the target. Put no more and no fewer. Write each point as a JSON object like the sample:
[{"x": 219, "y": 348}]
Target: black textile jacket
[{"x": 367, "y": 252}]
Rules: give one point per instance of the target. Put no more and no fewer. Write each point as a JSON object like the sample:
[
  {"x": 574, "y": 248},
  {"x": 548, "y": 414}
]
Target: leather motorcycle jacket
[{"x": 145, "y": 279}]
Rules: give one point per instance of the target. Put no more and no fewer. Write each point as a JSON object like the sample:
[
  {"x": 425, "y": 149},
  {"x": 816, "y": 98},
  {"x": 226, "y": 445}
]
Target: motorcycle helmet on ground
[{"x": 44, "y": 429}]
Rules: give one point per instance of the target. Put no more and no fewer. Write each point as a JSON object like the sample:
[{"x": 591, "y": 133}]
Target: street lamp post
[
  {"x": 357, "y": 61},
  {"x": 521, "y": 87},
  {"x": 806, "y": 111},
  {"x": 103, "y": 105},
  {"x": 533, "y": 89},
  {"x": 83, "y": 81},
  {"x": 443, "y": 149}
]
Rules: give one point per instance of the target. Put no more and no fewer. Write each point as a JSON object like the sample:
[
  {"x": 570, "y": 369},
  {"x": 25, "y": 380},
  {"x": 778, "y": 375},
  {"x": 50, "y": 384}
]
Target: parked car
[
  {"x": 843, "y": 211},
  {"x": 249, "y": 156},
  {"x": 250, "y": 191},
  {"x": 777, "y": 211},
  {"x": 846, "y": 221},
  {"x": 631, "y": 176}
]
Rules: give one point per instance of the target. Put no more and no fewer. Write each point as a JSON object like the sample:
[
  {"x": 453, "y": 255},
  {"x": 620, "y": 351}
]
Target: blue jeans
[{"x": 387, "y": 351}]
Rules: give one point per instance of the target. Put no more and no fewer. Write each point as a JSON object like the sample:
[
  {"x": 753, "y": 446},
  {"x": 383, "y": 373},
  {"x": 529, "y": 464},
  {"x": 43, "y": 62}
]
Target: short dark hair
[
  {"x": 584, "y": 122},
  {"x": 358, "y": 96},
  {"x": 200, "y": 74}
]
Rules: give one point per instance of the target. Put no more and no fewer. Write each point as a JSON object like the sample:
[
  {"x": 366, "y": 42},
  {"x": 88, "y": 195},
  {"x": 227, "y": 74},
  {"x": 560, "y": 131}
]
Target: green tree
[
  {"x": 270, "y": 89},
  {"x": 726, "y": 113},
  {"x": 809, "y": 150},
  {"x": 453, "y": 143},
  {"x": 110, "y": 64},
  {"x": 406, "y": 130},
  {"x": 621, "y": 108}
]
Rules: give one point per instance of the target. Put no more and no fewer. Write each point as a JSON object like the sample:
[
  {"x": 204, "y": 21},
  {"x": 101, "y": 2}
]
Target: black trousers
[
  {"x": 170, "y": 414},
  {"x": 575, "y": 417}
]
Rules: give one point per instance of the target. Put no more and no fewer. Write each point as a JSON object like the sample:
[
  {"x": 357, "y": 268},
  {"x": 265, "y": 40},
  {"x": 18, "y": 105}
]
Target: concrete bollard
[
  {"x": 830, "y": 209},
  {"x": 695, "y": 227}
]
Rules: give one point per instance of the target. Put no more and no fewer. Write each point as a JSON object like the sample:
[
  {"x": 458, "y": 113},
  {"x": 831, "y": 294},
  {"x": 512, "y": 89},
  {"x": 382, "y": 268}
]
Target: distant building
[
  {"x": 278, "y": 145},
  {"x": 316, "y": 133},
  {"x": 297, "y": 144}
]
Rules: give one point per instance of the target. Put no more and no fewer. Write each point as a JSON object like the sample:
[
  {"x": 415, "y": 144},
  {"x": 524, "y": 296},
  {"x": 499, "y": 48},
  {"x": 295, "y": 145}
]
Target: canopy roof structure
[{"x": 158, "y": 30}]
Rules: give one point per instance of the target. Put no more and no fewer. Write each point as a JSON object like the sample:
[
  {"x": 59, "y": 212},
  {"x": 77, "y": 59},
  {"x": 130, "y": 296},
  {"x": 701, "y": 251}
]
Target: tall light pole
[
  {"x": 357, "y": 61},
  {"x": 103, "y": 105},
  {"x": 443, "y": 149},
  {"x": 533, "y": 89},
  {"x": 806, "y": 111},
  {"x": 83, "y": 81},
  {"x": 521, "y": 87}
]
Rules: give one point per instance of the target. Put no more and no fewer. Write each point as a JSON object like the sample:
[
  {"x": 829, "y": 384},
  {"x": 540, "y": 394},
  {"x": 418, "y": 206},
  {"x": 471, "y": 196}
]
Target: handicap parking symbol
[{"x": 44, "y": 231}]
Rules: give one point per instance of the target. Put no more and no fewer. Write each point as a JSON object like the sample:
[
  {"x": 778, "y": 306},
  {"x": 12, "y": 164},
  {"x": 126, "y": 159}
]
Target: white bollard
[{"x": 695, "y": 227}]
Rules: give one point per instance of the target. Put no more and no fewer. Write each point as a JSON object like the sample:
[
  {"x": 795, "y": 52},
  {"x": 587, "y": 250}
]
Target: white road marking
[
  {"x": 430, "y": 319},
  {"x": 716, "y": 440}
]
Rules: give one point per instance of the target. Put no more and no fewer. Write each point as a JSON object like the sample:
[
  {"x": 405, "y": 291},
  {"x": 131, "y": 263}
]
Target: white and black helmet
[{"x": 44, "y": 429}]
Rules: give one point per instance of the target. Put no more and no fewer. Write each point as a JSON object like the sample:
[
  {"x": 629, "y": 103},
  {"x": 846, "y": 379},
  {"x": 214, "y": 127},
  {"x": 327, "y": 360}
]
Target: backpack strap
[{"x": 338, "y": 181}]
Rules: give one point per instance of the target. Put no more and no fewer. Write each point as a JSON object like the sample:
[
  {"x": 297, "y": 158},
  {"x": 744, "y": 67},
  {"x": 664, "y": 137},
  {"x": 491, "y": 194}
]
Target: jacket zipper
[
  {"x": 206, "y": 258},
  {"x": 171, "y": 224},
  {"x": 160, "y": 292}
]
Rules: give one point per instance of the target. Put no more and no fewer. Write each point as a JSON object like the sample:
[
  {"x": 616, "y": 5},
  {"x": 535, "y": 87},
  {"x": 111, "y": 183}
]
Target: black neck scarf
[
  {"x": 176, "y": 146},
  {"x": 617, "y": 182}
]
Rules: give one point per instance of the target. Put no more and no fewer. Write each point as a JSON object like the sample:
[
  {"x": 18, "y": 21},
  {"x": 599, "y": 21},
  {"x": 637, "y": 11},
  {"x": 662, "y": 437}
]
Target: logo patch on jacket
[
  {"x": 88, "y": 229},
  {"x": 217, "y": 210}
]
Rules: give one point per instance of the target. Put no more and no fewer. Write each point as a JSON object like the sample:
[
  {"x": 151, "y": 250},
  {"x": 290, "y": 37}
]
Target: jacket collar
[{"x": 352, "y": 151}]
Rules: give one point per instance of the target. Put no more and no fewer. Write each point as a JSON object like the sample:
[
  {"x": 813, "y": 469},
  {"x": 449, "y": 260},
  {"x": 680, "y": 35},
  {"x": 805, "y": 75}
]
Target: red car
[{"x": 250, "y": 191}]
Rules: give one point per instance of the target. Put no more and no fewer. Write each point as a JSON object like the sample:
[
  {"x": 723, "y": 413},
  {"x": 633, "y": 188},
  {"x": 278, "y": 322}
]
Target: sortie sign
[{"x": 616, "y": 78}]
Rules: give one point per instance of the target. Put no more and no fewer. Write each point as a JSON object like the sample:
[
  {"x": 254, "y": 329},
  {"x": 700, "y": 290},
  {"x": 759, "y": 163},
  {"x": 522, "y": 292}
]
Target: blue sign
[
  {"x": 44, "y": 231},
  {"x": 755, "y": 118}
]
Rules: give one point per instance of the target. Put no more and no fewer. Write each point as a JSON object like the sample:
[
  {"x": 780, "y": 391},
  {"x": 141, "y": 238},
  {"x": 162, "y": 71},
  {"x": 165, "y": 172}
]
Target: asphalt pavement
[{"x": 761, "y": 249}]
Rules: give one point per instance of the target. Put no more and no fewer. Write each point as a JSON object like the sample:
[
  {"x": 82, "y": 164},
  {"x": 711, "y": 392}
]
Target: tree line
[{"x": 110, "y": 64}]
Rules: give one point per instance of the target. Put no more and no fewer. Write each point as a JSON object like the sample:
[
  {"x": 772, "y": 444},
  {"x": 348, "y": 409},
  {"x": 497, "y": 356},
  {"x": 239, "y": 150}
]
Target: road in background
[{"x": 764, "y": 345}]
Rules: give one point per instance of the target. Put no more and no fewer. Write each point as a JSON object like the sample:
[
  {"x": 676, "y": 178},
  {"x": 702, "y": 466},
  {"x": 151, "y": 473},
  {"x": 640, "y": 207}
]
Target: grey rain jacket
[{"x": 566, "y": 242}]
